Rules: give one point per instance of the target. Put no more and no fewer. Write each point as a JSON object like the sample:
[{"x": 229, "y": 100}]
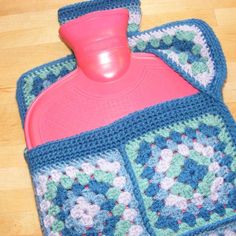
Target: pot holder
[{"x": 166, "y": 170}]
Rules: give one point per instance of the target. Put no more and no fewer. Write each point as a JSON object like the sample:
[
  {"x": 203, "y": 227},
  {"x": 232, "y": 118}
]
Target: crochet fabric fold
[{"x": 169, "y": 169}]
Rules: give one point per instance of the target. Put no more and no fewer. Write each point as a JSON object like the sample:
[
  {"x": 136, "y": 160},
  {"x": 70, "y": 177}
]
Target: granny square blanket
[{"x": 169, "y": 169}]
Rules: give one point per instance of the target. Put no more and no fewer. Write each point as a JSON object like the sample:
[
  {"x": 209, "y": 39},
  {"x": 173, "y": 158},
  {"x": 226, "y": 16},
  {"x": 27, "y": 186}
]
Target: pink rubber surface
[
  {"x": 99, "y": 43},
  {"x": 87, "y": 98}
]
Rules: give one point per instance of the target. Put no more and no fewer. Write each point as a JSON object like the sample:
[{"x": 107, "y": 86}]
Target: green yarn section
[
  {"x": 233, "y": 165},
  {"x": 52, "y": 186},
  {"x": 164, "y": 132},
  {"x": 185, "y": 35},
  {"x": 122, "y": 227},
  {"x": 223, "y": 135},
  {"x": 178, "y": 127},
  {"x": 193, "y": 123},
  {"x": 164, "y": 232},
  {"x": 132, "y": 148},
  {"x": 203, "y": 59},
  {"x": 176, "y": 166},
  {"x": 28, "y": 85},
  {"x": 199, "y": 68},
  {"x": 213, "y": 120},
  {"x": 113, "y": 193},
  {"x": 83, "y": 179},
  {"x": 152, "y": 216},
  {"x": 141, "y": 45},
  {"x": 138, "y": 169},
  {"x": 167, "y": 39},
  {"x": 66, "y": 182},
  {"x": 143, "y": 183},
  {"x": 102, "y": 176},
  {"x": 182, "y": 190},
  {"x": 230, "y": 149},
  {"x": 155, "y": 42},
  {"x": 54, "y": 210},
  {"x": 51, "y": 190},
  {"x": 183, "y": 58},
  {"x": 147, "y": 201},
  {"x": 200, "y": 159},
  {"x": 204, "y": 187},
  {"x": 118, "y": 210},
  {"x": 50, "y": 195},
  {"x": 196, "y": 49},
  {"x": 57, "y": 226}
]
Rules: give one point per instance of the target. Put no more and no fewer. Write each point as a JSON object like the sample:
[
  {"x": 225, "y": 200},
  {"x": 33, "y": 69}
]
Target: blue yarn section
[
  {"x": 210, "y": 227},
  {"x": 78, "y": 9},
  {"x": 192, "y": 173},
  {"x": 144, "y": 154}
]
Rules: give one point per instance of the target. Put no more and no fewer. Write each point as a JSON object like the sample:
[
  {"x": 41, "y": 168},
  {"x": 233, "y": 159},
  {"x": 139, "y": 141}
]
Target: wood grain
[{"x": 28, "y": 38}]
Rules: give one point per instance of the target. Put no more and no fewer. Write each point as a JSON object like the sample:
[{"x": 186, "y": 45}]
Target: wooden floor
[{"x": 28, "y": 37}]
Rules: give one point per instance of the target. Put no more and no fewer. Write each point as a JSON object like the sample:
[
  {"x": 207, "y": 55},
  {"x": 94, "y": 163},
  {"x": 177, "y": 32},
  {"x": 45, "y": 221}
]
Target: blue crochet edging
[
  {"x": 78, "y": 9},
  {"x": 42, "y": 227},
  {"x": 22, "y": 108},
  {"x": 210, "y": 227},
  {"x": 137, "y": 192},
  {"x": 122, "y": 130}
]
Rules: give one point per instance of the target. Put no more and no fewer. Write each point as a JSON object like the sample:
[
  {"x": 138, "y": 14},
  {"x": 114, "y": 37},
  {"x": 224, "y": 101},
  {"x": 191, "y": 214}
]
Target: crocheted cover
[{"x": 169, "y": 169}]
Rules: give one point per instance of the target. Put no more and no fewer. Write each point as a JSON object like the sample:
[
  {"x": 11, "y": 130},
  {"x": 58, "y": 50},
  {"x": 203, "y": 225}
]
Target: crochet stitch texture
[{"x": 169, "y": 169}]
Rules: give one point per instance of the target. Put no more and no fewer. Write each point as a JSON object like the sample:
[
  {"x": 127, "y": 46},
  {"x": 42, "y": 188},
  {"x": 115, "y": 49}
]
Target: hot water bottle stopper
[{"x": 168, "y": 169}]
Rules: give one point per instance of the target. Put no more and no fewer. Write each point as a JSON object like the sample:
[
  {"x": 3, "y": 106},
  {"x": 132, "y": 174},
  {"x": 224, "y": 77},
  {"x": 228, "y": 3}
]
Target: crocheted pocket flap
[{"x": 167, "y": 170}]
